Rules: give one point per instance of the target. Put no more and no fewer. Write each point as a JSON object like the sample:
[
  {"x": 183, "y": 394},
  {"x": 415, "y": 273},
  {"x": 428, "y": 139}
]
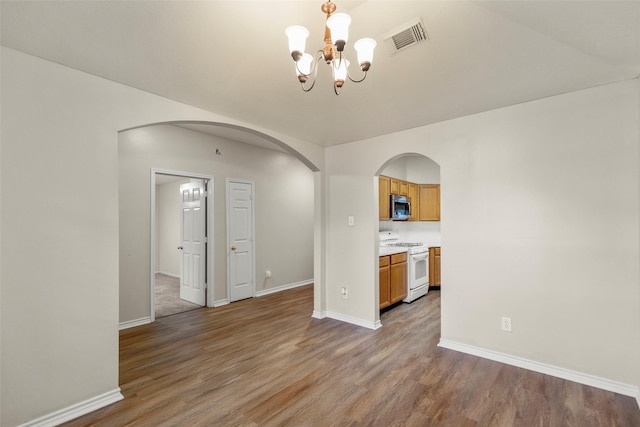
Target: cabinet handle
[{"x": 233, "y": 248}]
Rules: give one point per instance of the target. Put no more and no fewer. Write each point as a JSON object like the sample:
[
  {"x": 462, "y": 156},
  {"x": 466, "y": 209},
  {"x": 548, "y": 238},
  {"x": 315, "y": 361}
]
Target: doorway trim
[{"x": 209, "y": 243}]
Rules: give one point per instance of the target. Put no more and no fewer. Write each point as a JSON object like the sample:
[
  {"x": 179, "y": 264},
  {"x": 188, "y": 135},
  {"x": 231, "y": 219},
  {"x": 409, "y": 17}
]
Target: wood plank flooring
[{"x": 266, "y": 362}]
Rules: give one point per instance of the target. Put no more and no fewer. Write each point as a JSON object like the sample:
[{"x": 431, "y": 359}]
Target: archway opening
[
  {"x": 409, "y": 230},
  {"x": 221, "y": 151}
]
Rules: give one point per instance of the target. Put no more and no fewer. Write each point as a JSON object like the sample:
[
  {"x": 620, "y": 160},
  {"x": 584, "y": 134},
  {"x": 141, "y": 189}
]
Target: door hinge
[{"x": 206, "y": 239}]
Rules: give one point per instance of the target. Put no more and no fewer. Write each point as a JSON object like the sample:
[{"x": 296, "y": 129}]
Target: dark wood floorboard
[{"x": 266, "y": 362}]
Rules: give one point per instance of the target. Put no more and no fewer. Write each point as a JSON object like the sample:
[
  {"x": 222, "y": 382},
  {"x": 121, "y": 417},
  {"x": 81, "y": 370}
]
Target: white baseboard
[
  {"x": 177, "y": 276},
  {"x": 135, "y": 322},
  {"x": 77, "y": 410},
  {"x": 543, "y": 368},
  {"x": 319, "y": 314},
  {"x": 354, "y": 320},
  {"x": 283, "y": 287},
  {"x": 220, "y": 303}
]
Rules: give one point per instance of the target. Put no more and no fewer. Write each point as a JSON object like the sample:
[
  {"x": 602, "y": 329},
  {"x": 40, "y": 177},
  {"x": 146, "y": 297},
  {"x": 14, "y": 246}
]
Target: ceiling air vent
[{"x": 406, "y": 36}]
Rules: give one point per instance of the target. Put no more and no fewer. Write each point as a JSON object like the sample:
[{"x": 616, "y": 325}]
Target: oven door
[{"x": 418, "y": 270}]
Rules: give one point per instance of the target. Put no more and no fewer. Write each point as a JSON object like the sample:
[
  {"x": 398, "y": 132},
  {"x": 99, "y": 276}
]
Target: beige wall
[
  {"x": 539, "y": 223},
  {"x": 283, "y": 207},
  {"x": 530, "y": 195},
  {"x": 60, "y": 297}
]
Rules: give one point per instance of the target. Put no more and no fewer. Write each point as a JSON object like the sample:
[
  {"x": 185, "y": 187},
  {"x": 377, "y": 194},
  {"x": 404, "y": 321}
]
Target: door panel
[
  {"x": 241, "y": 243},
  {"x": 193, "y": 242}
]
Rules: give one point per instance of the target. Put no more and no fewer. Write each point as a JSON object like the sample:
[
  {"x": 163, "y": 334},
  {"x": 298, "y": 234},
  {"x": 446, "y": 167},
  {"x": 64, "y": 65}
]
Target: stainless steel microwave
[{"x": 400, "y": 207}]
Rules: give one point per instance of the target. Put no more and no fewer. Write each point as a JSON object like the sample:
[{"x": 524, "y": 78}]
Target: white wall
[
  {"x": 540, "y": 222},
  {"x": 60, "y": 297},
  {"x": 283, "y": 201},
  {"x": 168, "y": 205},
  {"x": 533, "y": 192},
  {"x": 413, "y": 168}
]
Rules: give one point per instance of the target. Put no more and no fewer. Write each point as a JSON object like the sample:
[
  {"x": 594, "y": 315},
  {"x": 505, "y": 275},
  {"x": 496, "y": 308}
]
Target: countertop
[{"x": 390, "y": 250}]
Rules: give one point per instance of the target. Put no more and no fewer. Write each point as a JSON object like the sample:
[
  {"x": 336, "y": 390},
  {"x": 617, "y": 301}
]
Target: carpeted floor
[{"x": 167, "y": 296}]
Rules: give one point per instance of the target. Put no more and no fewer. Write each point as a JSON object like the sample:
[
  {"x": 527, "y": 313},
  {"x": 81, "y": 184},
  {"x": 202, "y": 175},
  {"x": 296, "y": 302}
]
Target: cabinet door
[
  {"x": 429, "y": 202},
  {"x": 398, "y": 282},
  {"x": 415, "y": 202},
  {"x": 437, "y": 267},
  {"x": 395, "y": 186},
  {"x": 404, "y": 188},
  {"x": 384, "y": 202},
  {"x": 385, "y": 294},
  {"x": 434, "y": 267}
]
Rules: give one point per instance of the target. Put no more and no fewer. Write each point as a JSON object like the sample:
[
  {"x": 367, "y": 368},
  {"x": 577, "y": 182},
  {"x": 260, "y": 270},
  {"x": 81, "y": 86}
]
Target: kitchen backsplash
[{"x": 414, "y": 231}]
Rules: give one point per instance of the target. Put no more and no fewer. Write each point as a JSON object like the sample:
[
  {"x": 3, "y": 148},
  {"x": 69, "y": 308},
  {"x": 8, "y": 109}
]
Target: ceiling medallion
[{"x": 336, "y": 29}]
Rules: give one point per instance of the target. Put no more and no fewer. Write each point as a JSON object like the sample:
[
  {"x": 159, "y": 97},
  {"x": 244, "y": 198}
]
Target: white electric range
[{"x": 417, "y": 263}]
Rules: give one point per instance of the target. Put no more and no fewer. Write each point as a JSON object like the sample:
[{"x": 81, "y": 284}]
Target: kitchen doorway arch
[{"x": 416, "y": 179}]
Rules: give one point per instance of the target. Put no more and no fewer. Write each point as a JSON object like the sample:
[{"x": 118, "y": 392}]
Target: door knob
[
  {"x": 233, "y": 248},
  {"x": 180, "y": 247}
]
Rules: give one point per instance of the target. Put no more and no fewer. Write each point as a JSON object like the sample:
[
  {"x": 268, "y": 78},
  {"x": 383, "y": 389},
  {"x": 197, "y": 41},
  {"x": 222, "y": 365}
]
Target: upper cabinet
[
  {"x": 414, "y": 198},
  {"x": 424, "y": 198},
  {"x": 395, "y": 186},
  {"x": 429, "y": 196},
  {"x": 404, "y": 188},
  {"x": 384, "y": 201}
]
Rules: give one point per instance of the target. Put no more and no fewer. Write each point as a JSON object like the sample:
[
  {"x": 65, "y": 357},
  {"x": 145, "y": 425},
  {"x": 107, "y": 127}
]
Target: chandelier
[{"x": 336, "y": 34}]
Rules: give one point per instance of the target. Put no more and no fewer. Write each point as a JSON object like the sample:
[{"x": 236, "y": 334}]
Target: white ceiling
[{"x": 231, "y": 57}]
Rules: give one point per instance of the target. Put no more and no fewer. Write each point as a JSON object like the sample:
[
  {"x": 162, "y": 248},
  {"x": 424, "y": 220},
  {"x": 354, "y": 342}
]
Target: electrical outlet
[
  {"x": 506, "y": 324},
  {"x": 344, "y": 291}
]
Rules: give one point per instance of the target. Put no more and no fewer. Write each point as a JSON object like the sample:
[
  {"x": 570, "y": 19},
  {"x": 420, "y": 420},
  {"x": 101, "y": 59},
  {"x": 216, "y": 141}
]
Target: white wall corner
[
  {"x": 319, "y": 314},
  {"x": 77, "y": 410},
  {"x": 135, "y": 322},
  {"x": 354, "y": 320},
  {"x": 543, "y": 368}
]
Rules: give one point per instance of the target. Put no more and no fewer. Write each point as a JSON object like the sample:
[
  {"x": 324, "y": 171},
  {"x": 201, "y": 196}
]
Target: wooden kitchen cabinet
[
  {"x": 398, "y": 275},
  {"x": 415, "y": 201},
  {"x": 385, "y": 281},
  {"x": 434, "y": 267},
  {"x": 393, "y": 279},
  {"x": 424, "y": 198},
  {"x": 404, "y": 188},
  {"x": 384, "y": 201},
  {"x": 395, "y": 186},
  {"x": 429, "y": 209}
]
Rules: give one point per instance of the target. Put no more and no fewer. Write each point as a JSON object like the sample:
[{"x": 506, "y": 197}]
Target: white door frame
[
  {"x": 209, "y": 243},
  {"x": 253, "y": 233}
]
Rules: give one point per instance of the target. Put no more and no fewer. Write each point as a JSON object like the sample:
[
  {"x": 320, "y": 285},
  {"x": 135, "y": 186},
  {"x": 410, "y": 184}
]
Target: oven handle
[{"x": 419, "y": 257}]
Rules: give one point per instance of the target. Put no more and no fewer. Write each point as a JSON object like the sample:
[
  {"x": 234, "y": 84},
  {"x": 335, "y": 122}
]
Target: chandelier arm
[
  {"x": 357, "y": 81},
  {"x": 314, "y": 71}
]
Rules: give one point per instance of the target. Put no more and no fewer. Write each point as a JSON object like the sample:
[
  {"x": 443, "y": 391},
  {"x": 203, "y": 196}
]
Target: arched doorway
[
  {"x": 221, "y": 151},
  {"x": 409, "y": 229}
]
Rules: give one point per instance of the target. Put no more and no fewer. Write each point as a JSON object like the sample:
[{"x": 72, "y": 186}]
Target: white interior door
[
  {"x": 241, "y": 268},
  {"x": 193, "y": 242}
]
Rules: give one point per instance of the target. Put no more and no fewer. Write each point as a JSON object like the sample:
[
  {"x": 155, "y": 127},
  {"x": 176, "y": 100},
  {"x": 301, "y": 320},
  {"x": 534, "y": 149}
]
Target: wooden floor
[{"x": 266, "y": 362}]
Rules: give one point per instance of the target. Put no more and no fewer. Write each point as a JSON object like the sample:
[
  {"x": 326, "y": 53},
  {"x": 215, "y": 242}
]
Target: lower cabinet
[
  {"x": 393, "y": 279},
  {"x": 434, "y": 267}
]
